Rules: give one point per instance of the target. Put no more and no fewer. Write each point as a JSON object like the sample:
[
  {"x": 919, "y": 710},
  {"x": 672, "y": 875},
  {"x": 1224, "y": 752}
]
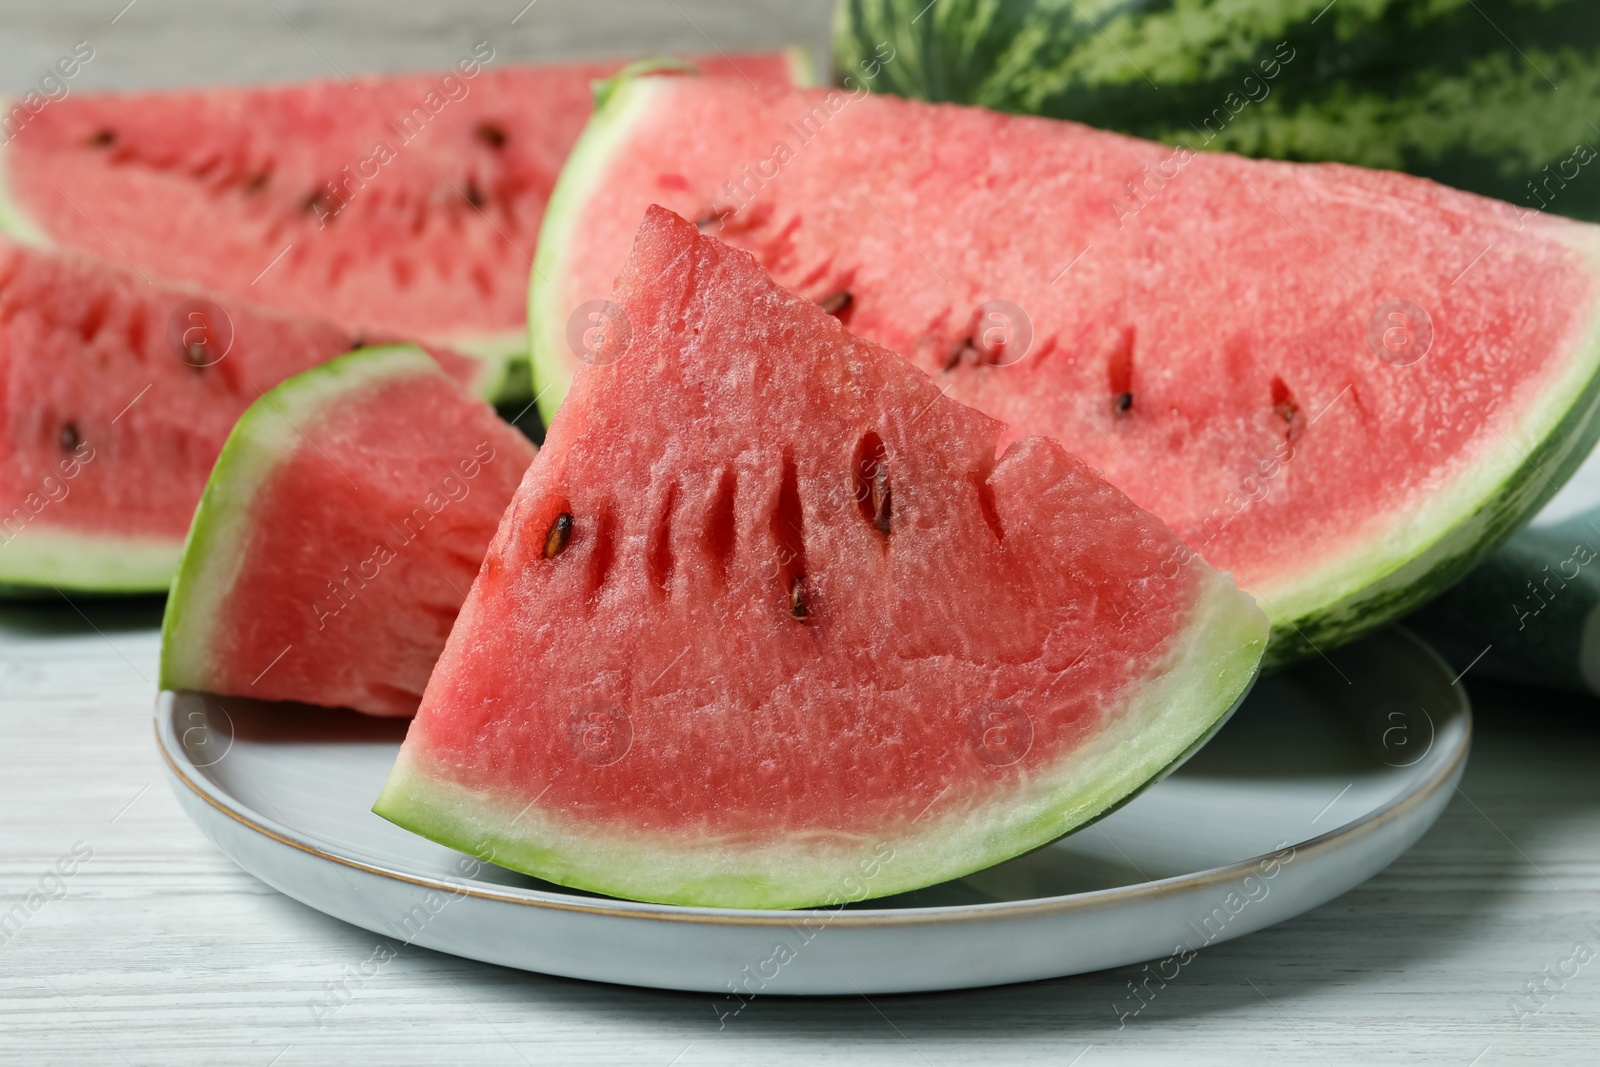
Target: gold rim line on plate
[{"x": 997, "y": 911}]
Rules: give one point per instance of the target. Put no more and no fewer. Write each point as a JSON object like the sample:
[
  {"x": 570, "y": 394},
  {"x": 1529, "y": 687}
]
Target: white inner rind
[
  {"x": 13, "y": 219},
  {"x": 1149, "y": 727},
  {"x": 802, "y": 72},
  {"x": 497, "y": 354},
  {"x": 552, "y": 362},
  {"x": 42, "y": 555},
  {"x": 266, "y": 436}
]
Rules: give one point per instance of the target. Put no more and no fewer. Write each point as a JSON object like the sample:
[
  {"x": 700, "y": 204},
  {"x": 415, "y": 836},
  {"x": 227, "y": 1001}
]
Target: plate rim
[{"x": 931, "y": 915}]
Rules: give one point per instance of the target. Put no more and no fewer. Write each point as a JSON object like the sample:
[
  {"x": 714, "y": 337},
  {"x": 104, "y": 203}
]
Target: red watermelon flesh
[
  {"x": 398, "y": 206},
  {"x": 339, "y": 534},
  {"x": 1343, "y": 386},
  {"x": 115, "y": 397},
  {"x": 800, "y": 622}
]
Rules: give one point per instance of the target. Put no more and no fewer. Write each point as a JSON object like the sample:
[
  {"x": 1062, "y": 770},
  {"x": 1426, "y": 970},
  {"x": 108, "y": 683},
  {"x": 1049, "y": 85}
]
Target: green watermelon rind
[
  {"x": 802, "y": 69},
  {"x": 13, "y": 220},
  {"x": 1499, "y": 495},
  {"x": 639, "y": 68},
  {"x": 504, "y": 378},
  {"x": 1394, "y": 573},
  {"x": 620, "y": 94},
  {"x": 1157, "y": 722},
  {"x": 268, "y": 433},
  {"x": 42, "y": 558},
  {"x": 611, "y": 122},
  {"x": 796, "y": 60}
]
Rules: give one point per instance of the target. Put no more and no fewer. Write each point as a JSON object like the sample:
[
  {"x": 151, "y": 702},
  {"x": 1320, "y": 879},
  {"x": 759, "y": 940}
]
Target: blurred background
[{"x": 161, "y": 43}]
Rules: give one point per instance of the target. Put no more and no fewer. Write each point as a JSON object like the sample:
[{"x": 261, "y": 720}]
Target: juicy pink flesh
[
  {"x": 1229, "y": 300},
  {"x": 212, "y": 186},
  {"x": 86, "y": 368},
  {"x": 707, "y": 471},
  {"x": 363, "y": 544}
]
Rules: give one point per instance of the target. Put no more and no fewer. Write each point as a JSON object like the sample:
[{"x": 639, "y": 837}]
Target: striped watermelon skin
[{"x": 1500, "y": 97}]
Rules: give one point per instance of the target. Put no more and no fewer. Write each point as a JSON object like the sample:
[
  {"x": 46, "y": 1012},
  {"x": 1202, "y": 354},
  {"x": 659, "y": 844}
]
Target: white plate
[{"x": 1323, "y": 777}]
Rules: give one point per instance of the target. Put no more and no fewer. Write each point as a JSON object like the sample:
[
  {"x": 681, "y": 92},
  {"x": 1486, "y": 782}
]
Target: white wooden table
[{"x": 157, "y": 950}]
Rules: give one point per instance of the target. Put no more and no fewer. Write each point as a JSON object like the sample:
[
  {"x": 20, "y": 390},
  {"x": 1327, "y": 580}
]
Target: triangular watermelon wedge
[
  {"x": 339, "y": 533},
  {"x": 1342, "y": 386},
  {"x": 768, "y": 624}
]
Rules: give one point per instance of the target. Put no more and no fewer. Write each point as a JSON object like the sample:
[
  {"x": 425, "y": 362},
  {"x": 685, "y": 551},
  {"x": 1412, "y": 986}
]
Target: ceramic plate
[{"x": 1324, "y": 775}]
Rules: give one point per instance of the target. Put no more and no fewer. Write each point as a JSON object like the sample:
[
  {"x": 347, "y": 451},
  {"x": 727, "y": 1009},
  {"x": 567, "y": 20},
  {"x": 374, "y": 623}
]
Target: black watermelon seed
[
  {"x": 835, "y": 303},
  {"x": 1123, "y": 402},
  {"x": 1289, "y": 412},
  {"x": 881, "y": 497},
  {"x": 797, "y": 599},
  {"x": 1283, "y": 404},
  {"x": 474, "y": 194},
  {"x": 555, "y": 541},
  {"x": 712, "y": 218},
  {"x": 103, "y": 138},
  {"x": 491, "y": 134},
  {"x": 957, "y": 353},
  {"x": 70, "y": 438}
]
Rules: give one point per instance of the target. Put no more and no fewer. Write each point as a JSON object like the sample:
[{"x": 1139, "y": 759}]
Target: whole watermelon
[{"x": 1500, "y": 97}]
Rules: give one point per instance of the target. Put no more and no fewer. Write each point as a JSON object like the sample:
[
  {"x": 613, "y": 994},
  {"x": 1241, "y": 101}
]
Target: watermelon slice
[
  {"x": 799, "y": 636},
  {"x": 401, "y": 206},
  {"x": 115, "y": 397},
  {"x": 338, "y": 535},
  {"x": 1342, "y": 386}
]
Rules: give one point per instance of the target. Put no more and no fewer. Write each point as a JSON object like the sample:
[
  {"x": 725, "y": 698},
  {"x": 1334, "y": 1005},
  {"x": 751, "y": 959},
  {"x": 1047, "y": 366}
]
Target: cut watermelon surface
[
  {"x": 799, "y": 636},
  {"x": 400, "y": 207},
  {"x": 1342, "y": 386},
  {"x": 115, "y": 397},
  {"x": 339, "y": 534}
]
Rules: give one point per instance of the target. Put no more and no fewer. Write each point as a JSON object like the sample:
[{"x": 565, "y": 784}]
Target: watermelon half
[
  {"x": 115, "y": 397},
  {"x": 339, "y": 533},
  {"x": 1495, "y": 96},
  {"x": 771, "y": 623},
  {"x": 1343, "y": 386},
  {"x": 401, "y": 207}
]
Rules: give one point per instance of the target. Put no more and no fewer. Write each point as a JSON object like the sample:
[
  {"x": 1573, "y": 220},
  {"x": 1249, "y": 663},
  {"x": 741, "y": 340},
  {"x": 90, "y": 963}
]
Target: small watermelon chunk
[
  {"x": 1341, "y": 386},
  {"x": 339, "y": 534},
  {"x": 769, "y": 625},
  {"x": 116, "y": 395},
  {"x": 401, "y": 206}
]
